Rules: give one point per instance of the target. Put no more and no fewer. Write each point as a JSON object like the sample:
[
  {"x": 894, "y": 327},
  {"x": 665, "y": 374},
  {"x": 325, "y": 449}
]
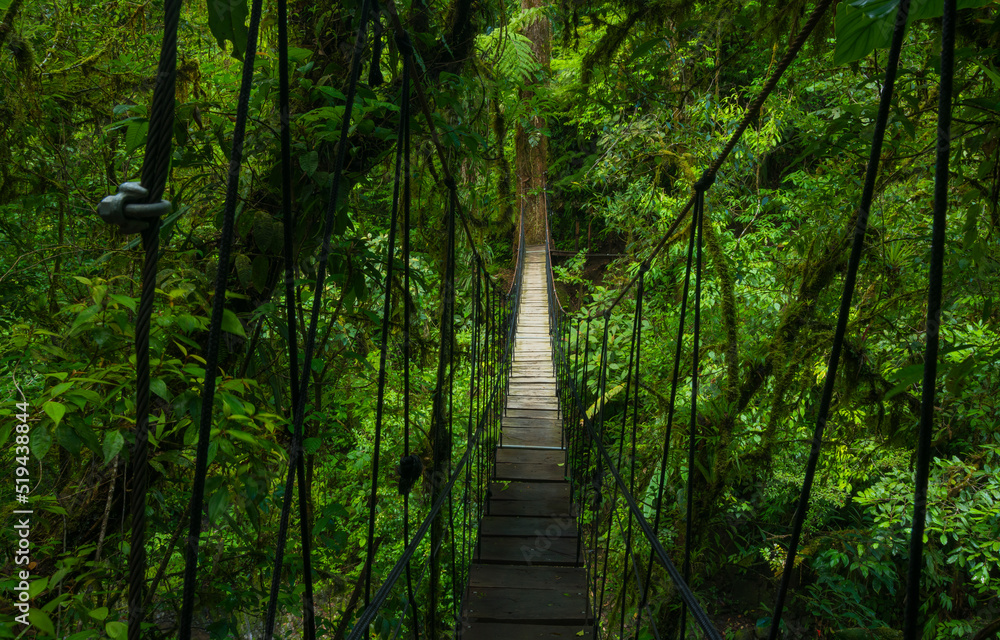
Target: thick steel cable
[
  {"x": 850, "y": 279},
  {"x": 215, "y": 328},
  {"x": 633, "y": 353},
  {"x": 298, "y": 466},
  {"x": 621, "y": 453},
  {"x": 407, "y": 300},
  {"x": 752, "y": 113},
  {"x": 661, "y": 555},
  {"x": 699, "y": 217},
  {"x": 140, "y": 448},
  {"x": 384, "y": 342},
  {"x": 678, "y": 351},
  {"x": 911, "y": 628},
  {"x": 495, "y": 400},
  {"x": 441, "y": 444},
  {"x": 602, "y": 380},
  {"x": 155, "y": 170}
]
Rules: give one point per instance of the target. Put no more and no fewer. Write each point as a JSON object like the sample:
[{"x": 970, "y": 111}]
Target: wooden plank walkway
[{"x": 527, "y": 580}]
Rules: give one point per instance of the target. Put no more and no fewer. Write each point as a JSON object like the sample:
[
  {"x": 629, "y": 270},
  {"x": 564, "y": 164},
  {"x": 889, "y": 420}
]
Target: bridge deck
[{"x": 528, "y": 580}]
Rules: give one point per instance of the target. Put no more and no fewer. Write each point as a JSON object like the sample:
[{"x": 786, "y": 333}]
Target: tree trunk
[{"x": 531, "y": 144}]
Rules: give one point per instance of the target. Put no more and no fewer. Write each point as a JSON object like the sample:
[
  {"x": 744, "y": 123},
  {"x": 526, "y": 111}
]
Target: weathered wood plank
[
  {"x": 529, "y": 490},
  {"x": 532, "y": 413},
  {"x": 530, "y": 437},
  {"x": 563, "y": 579},
  {"x": 543, "y": 508},
  {"x": 527, "y": 550},
  {"x": 502, "y": 604},
  {"x": 554, "y": 527},
  {"x": 531, "y": 456},
  {"x": 529, "y": 472},
  {"x": 507, "y": 631}
]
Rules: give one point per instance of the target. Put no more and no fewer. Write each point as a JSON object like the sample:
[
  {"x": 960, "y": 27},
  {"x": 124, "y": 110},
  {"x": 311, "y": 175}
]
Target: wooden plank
[
  {"x": 563, "y": 579},
  {"x": 532, "y": 413},
  {"x": 532, "y": 403},
  {"x": 529, "y": 472},
  {"x": 530, "y": 438},
  {"x": 529, "y": 491},
  {"x": 530, "y": 456},
  {"x": 544, "y": 423},
  {"x": 553, "y": 527},
  {"x": 503, "y": 604},
  {"x": 527, "y": 550},
  {"x": 507, "y": 631},
  {"x": 543, "y": 508}
]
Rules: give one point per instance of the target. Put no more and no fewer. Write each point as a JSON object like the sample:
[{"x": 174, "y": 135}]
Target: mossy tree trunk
[{"x": 531, "y": 144}]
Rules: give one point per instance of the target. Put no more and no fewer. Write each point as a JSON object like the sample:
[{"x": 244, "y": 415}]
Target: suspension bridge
[{"x": 516, "y": 540}]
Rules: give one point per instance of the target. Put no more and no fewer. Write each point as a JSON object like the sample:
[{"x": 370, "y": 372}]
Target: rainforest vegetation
[{"x": 609, "y": 110}]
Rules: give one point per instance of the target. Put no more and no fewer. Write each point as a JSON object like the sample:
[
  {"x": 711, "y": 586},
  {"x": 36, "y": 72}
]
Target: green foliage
[{"x": 866, "y": 25}]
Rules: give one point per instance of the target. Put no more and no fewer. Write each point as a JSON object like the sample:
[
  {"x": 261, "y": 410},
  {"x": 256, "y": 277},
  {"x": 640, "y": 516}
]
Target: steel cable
[{"x": 215, "y": 328}]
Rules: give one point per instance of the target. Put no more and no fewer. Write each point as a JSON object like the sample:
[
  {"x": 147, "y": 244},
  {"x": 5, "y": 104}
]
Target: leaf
[
  {"x": 116, "y": 629},
  {"x": 55, "y": 410},
  {"x": 113, "y": 443},
  {"x": 232, "y": 324},
  {"x": 100, "y": 613},
  {"x": 41, "y": 441},
  {"x": 309, "y": 162},
  {"x": 260, "y": 268},
  {"x": 40, "y": 619},
  {"x": 904, "y": 378},
  {"x": 217, "y": 504},
  {"x": 159, "y": 387},
  {"x": 135, "y": 134},
  {"x": 125, "y": 301},
  {"x": 228, "y": 21},
  {"x": 865, "y": 25}
]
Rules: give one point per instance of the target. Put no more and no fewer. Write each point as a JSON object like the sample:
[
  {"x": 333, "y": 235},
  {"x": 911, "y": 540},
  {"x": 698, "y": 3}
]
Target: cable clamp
[
  {"x": 449, "y": 182},
  {"x": 128, "y": 210}
]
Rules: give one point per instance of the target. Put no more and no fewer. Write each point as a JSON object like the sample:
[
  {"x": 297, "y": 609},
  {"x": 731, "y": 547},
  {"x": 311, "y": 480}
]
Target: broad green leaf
[
  {"x": 55, "y": 410},
  {"x": 135, "y": 134},
  {"x": 113, "y": 443},
  {"x": 116, "y": 629},
  {"x": 125, "y": 301},
  {"x": 865, "y": 25},
  {"x": 37, "y": 587},
  {"x": 100, "y": 613},
  {"x": 232, "y": 324},
  {"x": 40, "y": 441},
  {"x": 217, "y": 504},
  {"x": 309, "y": 162},
  {"x": 60, "y": 388},
  {"x": 228, "y": 21},
  {"x": 40, "y": 619},
  {"x": 159, "y": 387},
  {"x": 904, "y": 378}
]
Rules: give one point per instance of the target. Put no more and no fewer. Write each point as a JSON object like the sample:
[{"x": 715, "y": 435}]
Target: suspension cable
[
  {"x": 911, "y": 628},
  {"x": 850, "y": 278},
  {"x": 215, "y": 329}
]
